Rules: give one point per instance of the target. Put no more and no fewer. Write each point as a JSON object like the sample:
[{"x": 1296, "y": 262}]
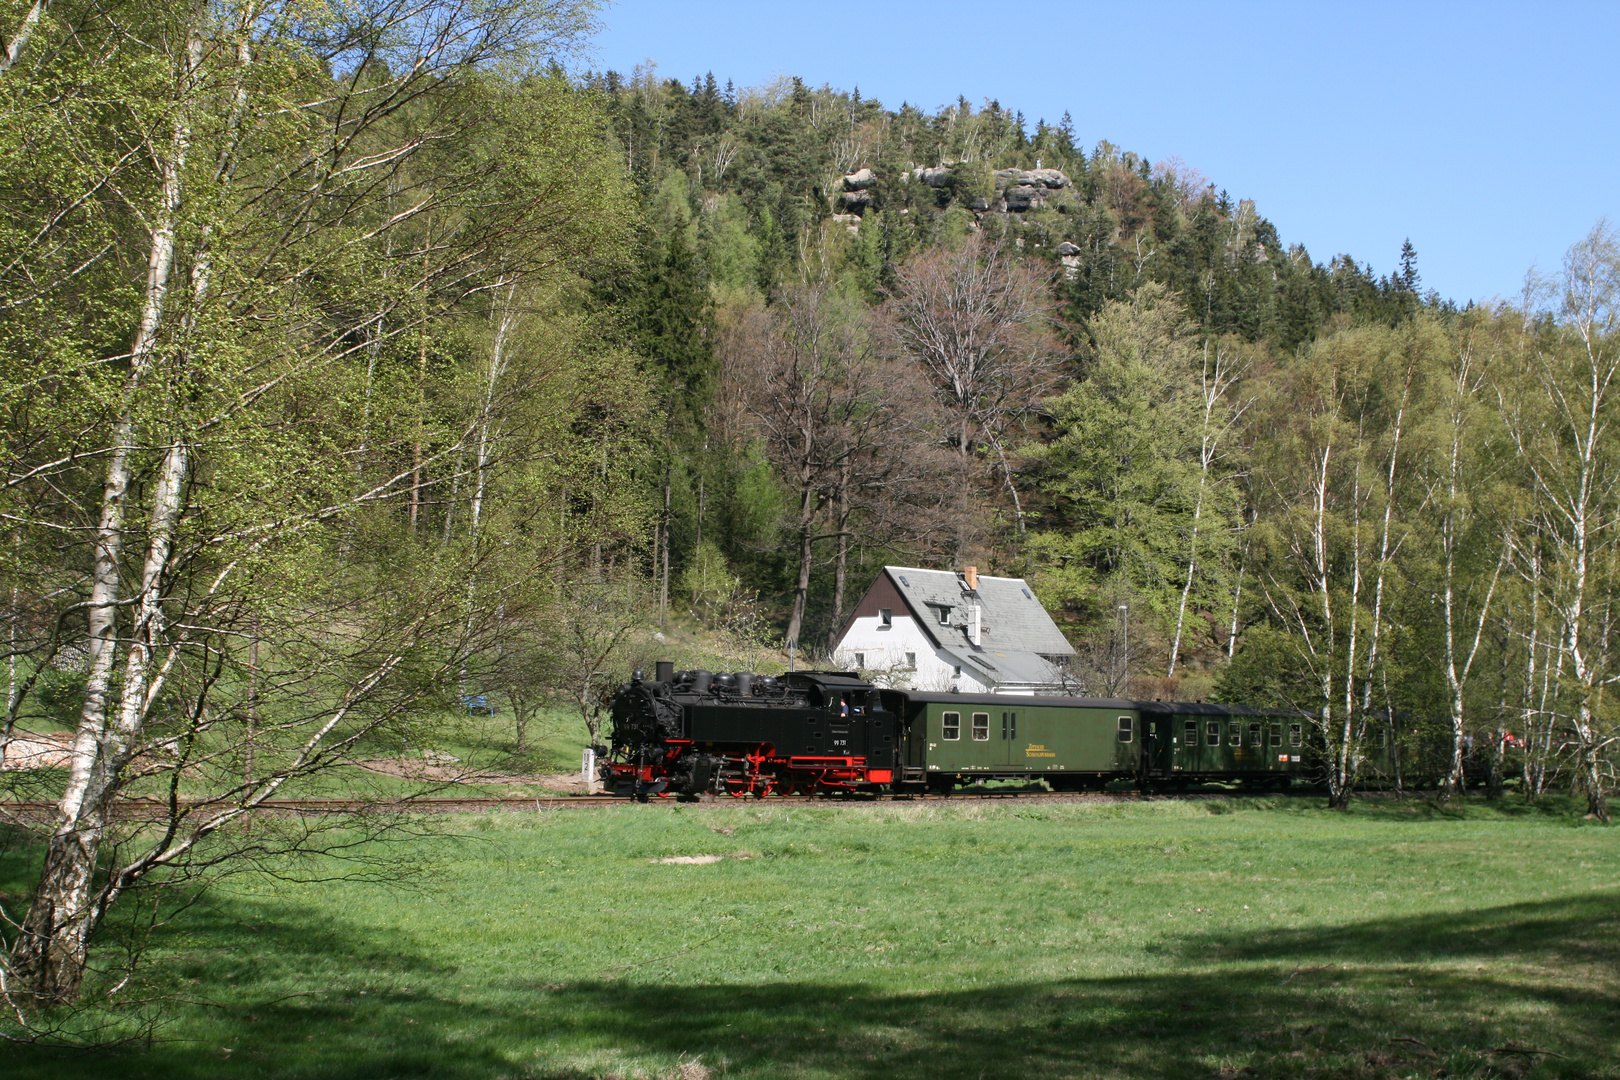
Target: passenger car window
[
  {"x": 1190, "y": 733},
  {"x": 981, "y": 727},
  {"x": 1276, "y": 734},
  {"x": 1234, "y": 734},
  {"x": 1212, "y": 732},
  {"x": 1295, "y": 735},
  {"x": 1380, "y": 737},
  {"x": 1125, "y": 729},
  {"x": 951, "y": 723},
  {"x": 1255, "y": 737}
]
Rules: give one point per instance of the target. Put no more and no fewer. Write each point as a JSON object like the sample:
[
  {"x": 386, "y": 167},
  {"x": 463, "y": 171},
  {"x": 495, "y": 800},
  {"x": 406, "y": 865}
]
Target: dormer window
[{"x": 944, "y": 615}]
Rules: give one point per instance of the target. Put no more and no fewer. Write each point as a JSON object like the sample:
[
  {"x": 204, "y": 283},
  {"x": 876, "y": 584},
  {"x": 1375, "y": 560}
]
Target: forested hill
[{"x": 747, "y": 172}]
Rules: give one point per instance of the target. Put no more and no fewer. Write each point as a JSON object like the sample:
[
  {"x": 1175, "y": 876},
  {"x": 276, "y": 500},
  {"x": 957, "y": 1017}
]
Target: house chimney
[{"x": 971, "y": 574}]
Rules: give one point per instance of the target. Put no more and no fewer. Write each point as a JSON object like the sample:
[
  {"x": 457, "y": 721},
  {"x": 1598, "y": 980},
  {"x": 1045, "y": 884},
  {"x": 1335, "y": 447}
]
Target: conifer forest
[{"x": 357, "y": 357}]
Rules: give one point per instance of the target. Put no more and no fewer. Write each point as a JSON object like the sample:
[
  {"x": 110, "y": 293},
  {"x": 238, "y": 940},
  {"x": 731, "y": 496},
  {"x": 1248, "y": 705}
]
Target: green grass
[{"x": 1158, "y": 939}]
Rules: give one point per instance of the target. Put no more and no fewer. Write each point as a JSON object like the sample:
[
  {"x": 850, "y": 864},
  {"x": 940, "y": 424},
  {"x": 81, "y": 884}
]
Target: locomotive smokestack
[
  {"x": 664, "y": 671},
  {"x": 971, "y": 575}
]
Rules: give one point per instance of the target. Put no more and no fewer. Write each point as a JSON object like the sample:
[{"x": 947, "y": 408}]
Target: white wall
[{"x": 884, "y": 650}]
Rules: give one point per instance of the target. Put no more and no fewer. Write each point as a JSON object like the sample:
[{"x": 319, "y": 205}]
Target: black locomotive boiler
[{"x": 698, "y": 732}]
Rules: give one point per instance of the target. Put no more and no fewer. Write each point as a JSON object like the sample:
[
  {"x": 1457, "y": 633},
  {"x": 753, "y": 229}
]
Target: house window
[
  {"x": 1296, "y": 734},
  {"x": 886, "y": 616},
  {"x": 1212, "y": 732},
  {"x": 981, "y": 727},
  {"x": 1234, "y": 734},
  {"x": 957, "y": 670},
  {"x": 860, "y": 660},
  {"x": 951, "y": 722},
  {"x": 1255, "y": 737},
  {"x": 944, "y": 615},
  {"x": 1125, "y": 729},
  {"x": 911, "y": 661}
]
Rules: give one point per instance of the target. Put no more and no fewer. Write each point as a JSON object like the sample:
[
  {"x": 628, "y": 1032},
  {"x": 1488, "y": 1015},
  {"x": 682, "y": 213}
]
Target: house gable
[
  {"x": 1017, "y": 645},
  {"x": 884, "y": 593}
]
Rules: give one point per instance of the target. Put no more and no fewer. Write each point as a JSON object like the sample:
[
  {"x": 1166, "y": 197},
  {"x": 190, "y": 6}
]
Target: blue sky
[{"x": 1489, "y": 133}]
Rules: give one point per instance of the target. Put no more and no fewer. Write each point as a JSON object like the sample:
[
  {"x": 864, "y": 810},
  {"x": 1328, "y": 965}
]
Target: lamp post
[{"x": 1125, "y": 646}]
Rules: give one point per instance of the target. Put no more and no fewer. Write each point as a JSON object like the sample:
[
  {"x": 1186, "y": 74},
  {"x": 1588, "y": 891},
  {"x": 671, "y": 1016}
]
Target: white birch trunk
[{"x": 51, "y": 949}]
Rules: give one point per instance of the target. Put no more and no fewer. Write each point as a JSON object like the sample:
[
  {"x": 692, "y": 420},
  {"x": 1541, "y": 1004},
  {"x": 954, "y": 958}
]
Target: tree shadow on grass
[{"x": 1383, "y": 998}]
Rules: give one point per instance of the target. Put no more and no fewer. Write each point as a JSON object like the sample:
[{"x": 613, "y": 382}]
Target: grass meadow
[{"x": 1163, "y": 938}]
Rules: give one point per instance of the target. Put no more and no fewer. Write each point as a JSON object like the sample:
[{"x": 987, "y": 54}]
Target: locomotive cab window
[
  {"x": 1189, "y": 734},
  {"x": 981, "y": 727},
  {"x": 951, "y": 725},
  {"x": 1276, "y": 734},
  {"x": 1126, "y": 728},
  {"x": 1296, "y": 734},
  {"x": 1212, "y": 732},
  {"x": 1255, "y": 738}
]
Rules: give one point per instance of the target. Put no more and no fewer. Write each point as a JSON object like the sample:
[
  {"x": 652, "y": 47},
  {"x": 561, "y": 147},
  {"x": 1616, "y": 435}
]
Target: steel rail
[{"x": 137, "y": 809}]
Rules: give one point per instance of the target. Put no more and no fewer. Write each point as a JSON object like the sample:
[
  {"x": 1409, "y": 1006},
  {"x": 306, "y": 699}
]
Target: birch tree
[
  {"x": 1560, "y": 416},
  {"x": 1223, "y": 368},
  {"x": 1472, "y": 548},
  {"x": 255, "y": 189}
]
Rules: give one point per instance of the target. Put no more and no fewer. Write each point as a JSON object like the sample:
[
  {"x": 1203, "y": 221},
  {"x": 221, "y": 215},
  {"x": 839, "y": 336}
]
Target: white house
[{"x": 958, "y": 632}]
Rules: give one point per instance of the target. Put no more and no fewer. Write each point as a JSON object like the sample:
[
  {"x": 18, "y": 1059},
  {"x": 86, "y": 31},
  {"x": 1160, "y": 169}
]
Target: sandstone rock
[
  {"x": 1047, "y": 178},
  {"x": 860, "y": 181},
  {"x": 1023, "y": 198},
  {"x": 1067, "y": 248},
  {"x": 936, "y": 177},
  {"x": 979, "y": 204},
  {"x": 857, "y": 201},
  {"x": 852, "y": 222}
]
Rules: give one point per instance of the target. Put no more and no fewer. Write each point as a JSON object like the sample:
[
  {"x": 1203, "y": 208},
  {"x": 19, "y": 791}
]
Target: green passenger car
[
  {"x": 1197, "y": 741},
  {"x": 1072, "y": 743},
  {"x": 1075, "y": 743}
]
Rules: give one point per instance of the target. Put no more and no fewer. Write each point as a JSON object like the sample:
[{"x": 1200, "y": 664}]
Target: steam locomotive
[{"x": 830, "y": 732}]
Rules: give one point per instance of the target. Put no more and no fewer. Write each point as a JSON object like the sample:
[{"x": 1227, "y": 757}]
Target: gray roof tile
[{"x": 1012, "y": 620}]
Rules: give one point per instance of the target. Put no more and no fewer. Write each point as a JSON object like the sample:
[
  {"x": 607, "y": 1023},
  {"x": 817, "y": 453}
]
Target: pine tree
[{"x": 1408, "y": 279}]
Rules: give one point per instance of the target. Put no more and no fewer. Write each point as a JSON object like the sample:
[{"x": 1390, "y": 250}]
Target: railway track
[{"x": 137, "y": 809}]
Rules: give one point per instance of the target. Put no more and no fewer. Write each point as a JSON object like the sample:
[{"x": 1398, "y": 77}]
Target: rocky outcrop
[
  {"x": 1017, "y": 191},
  {"x": 1070, "y": 254},
  {"x": 852, "y": 222},
  {"x": 857, "y": 201},
  {"x": 860, "y": 181},
  {"x": 1023, "y": 197},
  {"x": 1052, "y": 179},
  {"x": 935, "y": 177}
]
